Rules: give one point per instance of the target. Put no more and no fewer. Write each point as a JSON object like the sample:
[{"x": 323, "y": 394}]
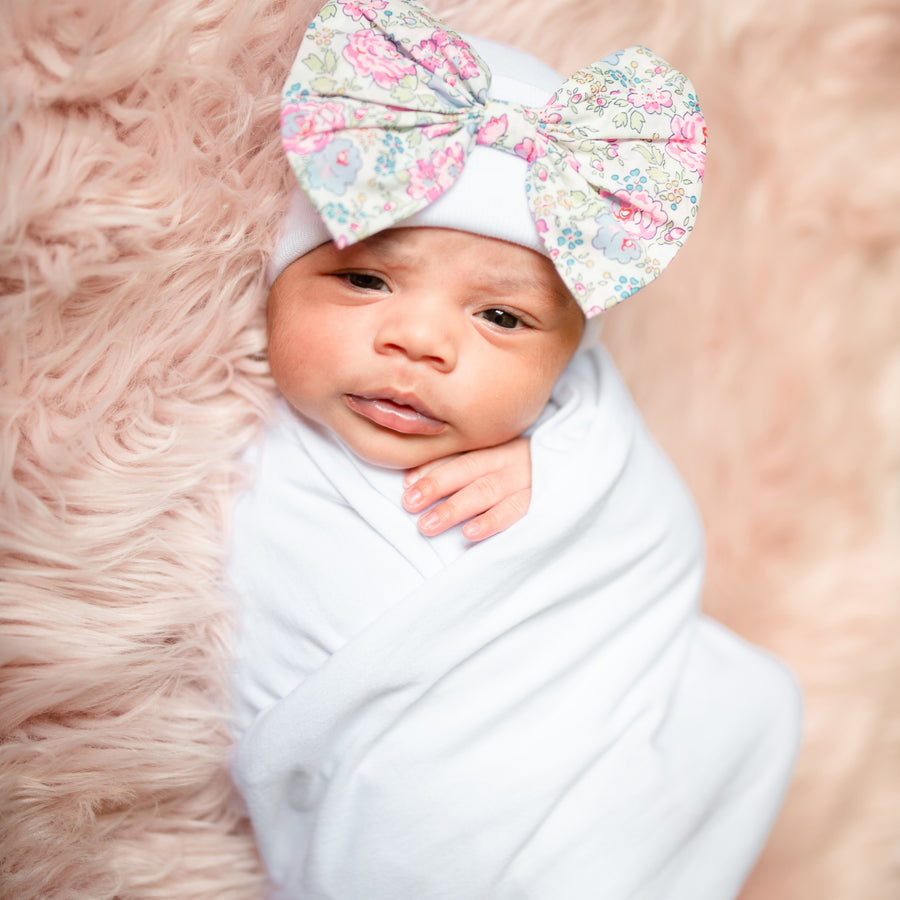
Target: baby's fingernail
[
  {"x": 429, "y": 521},
  {"x": 472, "y": 530},
  {"x": 412, "y": 496}
]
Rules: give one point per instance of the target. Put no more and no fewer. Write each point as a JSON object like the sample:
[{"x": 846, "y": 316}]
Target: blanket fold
[{"x": 545, "y": 716}]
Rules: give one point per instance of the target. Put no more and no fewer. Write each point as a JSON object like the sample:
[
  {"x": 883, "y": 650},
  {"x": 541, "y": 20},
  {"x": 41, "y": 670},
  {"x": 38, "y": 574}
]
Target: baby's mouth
[{"x": 405, "y": 415}]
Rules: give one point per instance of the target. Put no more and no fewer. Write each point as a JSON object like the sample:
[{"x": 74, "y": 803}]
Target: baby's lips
[{"x": 394, "y": 415}]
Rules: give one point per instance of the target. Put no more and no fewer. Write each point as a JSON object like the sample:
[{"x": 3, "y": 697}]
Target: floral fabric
[{"x": 384, "y": 103}]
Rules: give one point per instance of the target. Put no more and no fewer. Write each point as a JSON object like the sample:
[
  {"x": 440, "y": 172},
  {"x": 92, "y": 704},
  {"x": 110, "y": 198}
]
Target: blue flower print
[
  {"x": 334, "y": 166},
  {"x": 625, "y": 287},
  {"x": 386, "y": 161},
  {"x": 615, "y": 242},
  {"x": 336, "y": 212},
  {"x": 570, "y": 238}
]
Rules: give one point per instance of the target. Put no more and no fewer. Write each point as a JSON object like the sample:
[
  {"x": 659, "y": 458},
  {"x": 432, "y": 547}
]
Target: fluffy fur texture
[{"x": 143, "y": 183}]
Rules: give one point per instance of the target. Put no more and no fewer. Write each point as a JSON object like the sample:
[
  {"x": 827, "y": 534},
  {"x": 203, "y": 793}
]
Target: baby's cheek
[
  {"x": 293, "y": 376},
  {"x": 519, "y": 417},
  {"x": 283, "y": 367}
]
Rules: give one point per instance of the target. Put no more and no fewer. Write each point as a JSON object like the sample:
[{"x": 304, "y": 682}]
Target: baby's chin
[{"x": 399, "y": 458}]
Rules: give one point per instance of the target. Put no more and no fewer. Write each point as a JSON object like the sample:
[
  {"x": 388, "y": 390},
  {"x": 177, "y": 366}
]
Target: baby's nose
[{"x": 420, "y": 334}]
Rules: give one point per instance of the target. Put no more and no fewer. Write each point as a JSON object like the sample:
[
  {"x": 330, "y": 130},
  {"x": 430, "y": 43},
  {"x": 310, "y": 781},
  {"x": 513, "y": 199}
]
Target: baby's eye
[
  {"x": 501, "y": 318},
  {"x": 365, "y": 282}
]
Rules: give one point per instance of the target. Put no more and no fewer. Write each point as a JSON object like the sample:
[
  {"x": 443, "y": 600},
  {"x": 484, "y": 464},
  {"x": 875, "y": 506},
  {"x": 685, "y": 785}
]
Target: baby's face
[{"x": 421, "y": 342}]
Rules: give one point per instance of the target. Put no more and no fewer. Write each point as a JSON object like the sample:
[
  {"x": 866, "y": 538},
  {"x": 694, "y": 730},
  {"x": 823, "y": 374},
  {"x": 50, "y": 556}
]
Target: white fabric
[
  {"x": 544, "y": 715},
  {"x": 489, "y": 196}
]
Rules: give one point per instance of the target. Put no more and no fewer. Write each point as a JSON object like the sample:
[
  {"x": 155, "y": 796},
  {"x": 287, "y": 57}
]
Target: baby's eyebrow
[
  {"x": 514, "y": 283},
  {"x": 511, "y": 284},
  {"x": 389, "y": 246}
]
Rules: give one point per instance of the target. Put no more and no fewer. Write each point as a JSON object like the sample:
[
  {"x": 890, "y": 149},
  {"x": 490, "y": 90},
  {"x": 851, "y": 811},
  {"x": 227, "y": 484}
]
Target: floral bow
[{"x": 383, "y": 105}]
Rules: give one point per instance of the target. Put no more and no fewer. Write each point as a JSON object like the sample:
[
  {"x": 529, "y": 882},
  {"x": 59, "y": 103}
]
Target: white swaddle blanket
[{"x": 543, "y": 715}]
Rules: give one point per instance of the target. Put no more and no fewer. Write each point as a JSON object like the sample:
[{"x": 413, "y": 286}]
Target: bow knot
[
  {"x": 511, "y": 127},
  {"x": 384, "y": 105}
]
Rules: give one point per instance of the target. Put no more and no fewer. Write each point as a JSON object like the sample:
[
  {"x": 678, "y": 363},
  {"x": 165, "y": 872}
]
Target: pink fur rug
[{"x": 142, "y": 186}]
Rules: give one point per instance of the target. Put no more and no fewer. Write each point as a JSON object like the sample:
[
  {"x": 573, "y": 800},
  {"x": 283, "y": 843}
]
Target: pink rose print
[
  {"x": 356, "y": 9},
  {"x": 434, "y": 131},
  {"x": 531, "y": 150},
  {"x": 687, "y": 143},
  {"x": 457, "y": 54},
  {"x": 552, "y": 113},
  {"x": 430, "y": 178},
  {"x": 444, "y": 51},
  {"x": 426, "y": 54},
  {"x": 651, "y": 99},
  {"x": 492, "y": 130},
  {"x": 373, "y": 54},
  {"x": 637, "y": 212},
  {"x": 308, "y": 125}
]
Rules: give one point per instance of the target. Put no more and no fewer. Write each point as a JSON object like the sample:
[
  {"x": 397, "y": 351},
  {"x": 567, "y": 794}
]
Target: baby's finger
[
  {"x": 498, "y": 518},
  {"x": 441, "y": 479},
  {"x": 413, "y": 475},
  {"x": 477, "y": 499}
]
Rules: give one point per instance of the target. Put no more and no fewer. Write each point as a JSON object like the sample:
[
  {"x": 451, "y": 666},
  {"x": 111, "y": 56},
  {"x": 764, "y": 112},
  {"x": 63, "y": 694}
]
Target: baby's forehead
[{"x": 488, "y": 261}]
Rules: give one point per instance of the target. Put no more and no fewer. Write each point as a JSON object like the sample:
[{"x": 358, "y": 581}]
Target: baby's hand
[{"x": 491, "y": 488}]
